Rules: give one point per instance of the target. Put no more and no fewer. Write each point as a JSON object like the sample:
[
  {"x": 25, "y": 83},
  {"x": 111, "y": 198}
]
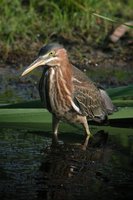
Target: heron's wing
[
  {"x": 87, "y": 96},
  {"x": 81, "y": 76},
  {"x": 97, "y": 96},
  {"x": 88, "y": 99}
]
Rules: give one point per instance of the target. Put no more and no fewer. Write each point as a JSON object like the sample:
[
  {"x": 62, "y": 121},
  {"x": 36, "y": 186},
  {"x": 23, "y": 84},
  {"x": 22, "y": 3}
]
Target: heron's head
[{"x": 50, "y": 55}]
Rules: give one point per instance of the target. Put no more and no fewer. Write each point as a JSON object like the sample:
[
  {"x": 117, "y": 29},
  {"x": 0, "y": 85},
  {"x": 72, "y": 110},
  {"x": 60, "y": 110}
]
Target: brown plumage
[{"x": 67, "y": 92}]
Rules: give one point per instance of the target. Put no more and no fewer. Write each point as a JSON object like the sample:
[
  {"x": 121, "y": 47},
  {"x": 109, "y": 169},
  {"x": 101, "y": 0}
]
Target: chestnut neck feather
[{"x": 66, "y": 70}]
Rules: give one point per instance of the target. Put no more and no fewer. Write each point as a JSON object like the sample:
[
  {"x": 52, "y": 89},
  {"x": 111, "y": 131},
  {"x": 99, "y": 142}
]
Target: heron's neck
[
  {"x": 60, "y": 87},
  {"x": 65, "y": 71}
]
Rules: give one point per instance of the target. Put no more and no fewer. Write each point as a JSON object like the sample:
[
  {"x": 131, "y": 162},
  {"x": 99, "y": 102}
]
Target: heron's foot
[{"x": 87, "y": 139}]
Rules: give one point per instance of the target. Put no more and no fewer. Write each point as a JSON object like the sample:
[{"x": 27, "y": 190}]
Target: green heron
[{"x": 67, "y": 92}]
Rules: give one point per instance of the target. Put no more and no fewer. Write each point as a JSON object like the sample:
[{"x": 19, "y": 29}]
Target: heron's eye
[{"x": 51, "y": 53}]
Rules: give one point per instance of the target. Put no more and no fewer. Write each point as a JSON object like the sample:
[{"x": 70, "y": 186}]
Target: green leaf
[
  {"x": 121, "y": 93},
  {"x": 34, "y": 118},
  {"x": 112, "y": 20}
]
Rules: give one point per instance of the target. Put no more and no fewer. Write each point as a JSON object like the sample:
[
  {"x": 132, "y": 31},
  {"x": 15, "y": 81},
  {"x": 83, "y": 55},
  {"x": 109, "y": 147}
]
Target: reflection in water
[
  {"x": 70, "y": 173},
  {"x": 63, "y": 172}
]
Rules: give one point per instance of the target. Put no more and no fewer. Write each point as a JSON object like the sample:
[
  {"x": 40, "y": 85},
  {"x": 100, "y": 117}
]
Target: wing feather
[{"x": 87, "y": 96}]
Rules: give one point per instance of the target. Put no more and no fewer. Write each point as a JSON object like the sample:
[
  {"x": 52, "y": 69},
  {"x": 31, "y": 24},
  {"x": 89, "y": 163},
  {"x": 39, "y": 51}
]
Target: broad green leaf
[{"x": 41, "y": 117}]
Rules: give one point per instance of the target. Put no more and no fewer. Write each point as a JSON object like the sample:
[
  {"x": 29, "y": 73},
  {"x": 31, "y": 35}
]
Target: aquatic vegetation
[{"x": 34, "y": 20}]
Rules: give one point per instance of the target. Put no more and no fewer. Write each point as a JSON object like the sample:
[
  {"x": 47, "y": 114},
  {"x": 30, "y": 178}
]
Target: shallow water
[{"x": 30, "y": 168}]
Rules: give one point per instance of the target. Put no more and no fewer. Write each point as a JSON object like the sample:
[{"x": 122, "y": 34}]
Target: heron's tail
[{"x": 107, "y": 101}]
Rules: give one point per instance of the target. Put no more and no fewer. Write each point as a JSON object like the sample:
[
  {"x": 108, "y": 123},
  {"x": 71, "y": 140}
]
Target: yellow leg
[{"x": 87, "y": 132}]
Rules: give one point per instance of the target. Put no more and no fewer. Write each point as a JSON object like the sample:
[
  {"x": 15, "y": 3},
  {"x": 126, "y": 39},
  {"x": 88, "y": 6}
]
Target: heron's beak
[{"x": 39, "y": 61}]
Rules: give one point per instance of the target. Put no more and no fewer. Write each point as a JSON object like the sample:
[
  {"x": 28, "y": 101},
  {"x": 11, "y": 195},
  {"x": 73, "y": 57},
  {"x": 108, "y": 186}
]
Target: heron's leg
[
  {"x": 55, "y": 125},
  {"x": 87, "y": 132}
]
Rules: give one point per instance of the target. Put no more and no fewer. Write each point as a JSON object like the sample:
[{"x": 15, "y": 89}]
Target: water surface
[{"x": 30, "y": 168}]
